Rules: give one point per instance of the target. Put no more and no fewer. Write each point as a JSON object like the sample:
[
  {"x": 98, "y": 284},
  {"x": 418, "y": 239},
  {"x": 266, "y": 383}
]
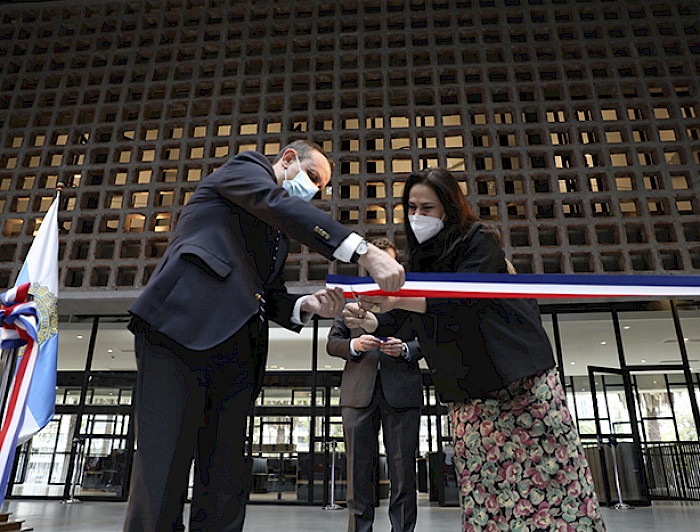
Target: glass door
[{"x": 617, "y": 467}]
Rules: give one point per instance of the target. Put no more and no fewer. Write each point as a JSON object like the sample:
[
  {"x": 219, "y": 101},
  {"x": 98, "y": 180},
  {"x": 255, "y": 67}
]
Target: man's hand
[
  {"x": 366, "y": 342},
  {"x": 386, "y": 272},
  {"x": 326, "y": 303},
  {"x": 392, "y": 347},
  {"x": 356, "y": 317}
]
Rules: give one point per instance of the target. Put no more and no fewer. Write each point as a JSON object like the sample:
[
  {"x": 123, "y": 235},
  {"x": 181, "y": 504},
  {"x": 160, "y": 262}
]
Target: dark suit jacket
[
  {"x": 224, "y": 263},
  {"x": 401, "y": 379},
  {"x": 474, "y": 346}
]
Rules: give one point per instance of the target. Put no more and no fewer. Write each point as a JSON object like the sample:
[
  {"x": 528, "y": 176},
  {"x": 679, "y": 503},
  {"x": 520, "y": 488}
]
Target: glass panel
[
  {"x": 114, "y": 348},
  {"x": 684, "y": 414},
  {"x": 280, "y": 445},
  {"x": 655, "y": 408},
  {"x": 67, "y": 395},
  {"x": 649, "y": 337},
  {"x": 102, "y": 467},
  {"x": 73, "y": 345},
  {"x": 587, "y": 339},
  {"x": 290, "y": 351},
  {"x": 690, "y": 324},
  {"x": 43, "y": 460},
  {"x": 659, "y": 430},
  {"x": 614, "y": 394}
]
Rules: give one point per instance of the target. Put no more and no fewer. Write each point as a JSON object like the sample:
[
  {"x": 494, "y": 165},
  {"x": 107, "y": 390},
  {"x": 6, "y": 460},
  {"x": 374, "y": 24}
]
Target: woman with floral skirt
[{"x": 519, "y": 460}]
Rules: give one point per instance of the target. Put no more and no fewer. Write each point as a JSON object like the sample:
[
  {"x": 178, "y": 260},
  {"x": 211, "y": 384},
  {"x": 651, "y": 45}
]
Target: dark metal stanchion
[
  {"x": 333, "y": 505},
  {"x": 76, "y": 472},
  {"x": 620, "y": 505}
]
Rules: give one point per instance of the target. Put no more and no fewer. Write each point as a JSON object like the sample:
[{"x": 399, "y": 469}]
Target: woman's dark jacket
[{"x": 472, "y": 346}]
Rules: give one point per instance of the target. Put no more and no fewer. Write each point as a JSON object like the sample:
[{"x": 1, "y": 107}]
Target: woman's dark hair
[{"x": 458, "y": 212}]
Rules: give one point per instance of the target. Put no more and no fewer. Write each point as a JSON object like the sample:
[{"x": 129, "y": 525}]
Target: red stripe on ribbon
[{"x": 463, "y": 293}]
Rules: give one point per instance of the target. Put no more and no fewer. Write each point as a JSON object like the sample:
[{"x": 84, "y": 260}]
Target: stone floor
[{"x": 52, "y": 516}]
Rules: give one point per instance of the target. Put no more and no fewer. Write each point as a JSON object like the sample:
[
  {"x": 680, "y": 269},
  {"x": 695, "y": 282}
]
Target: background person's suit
[
  {"x": 201, "y": 340},
  {"x": 377, "y": 387}
]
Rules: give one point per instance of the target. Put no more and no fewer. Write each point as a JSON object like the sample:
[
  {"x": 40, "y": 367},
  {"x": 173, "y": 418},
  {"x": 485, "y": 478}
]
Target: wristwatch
[
  {"x": 360, "y": 250},
  {"x": 404, "y": 350}
]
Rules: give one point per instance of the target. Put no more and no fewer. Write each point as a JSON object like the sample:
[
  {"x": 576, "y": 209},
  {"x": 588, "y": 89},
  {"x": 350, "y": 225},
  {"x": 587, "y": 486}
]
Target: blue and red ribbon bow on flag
[
  {"x": 503, "y": 285},
  {"x": 20, "y": 325}
]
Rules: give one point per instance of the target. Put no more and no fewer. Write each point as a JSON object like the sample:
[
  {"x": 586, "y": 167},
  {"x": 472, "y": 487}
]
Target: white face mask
[
  {"x": 425, "y": 227},
  {"x": 301, "y": 186}
]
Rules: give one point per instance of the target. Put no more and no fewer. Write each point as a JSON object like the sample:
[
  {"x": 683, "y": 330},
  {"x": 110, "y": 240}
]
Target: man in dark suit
[
  {"x": 381, "y": 382},
  {"x": 201, "y": 329}
]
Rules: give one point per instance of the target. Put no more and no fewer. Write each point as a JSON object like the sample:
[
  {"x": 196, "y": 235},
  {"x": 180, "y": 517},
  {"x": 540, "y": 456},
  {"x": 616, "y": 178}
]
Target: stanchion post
[
  {"x": 332, "y": 505},
  {"x": 620, "y": 505},
  {"x": 76, "y": 472}
]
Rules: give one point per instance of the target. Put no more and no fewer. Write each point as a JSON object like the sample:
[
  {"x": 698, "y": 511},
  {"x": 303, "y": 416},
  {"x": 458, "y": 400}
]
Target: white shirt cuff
[
  {"x": 297, "y": 317},
  {"x": 347, "y": 247}
]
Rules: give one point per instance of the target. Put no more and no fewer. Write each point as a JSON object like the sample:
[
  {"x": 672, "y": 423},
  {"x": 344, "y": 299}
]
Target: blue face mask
[{"x": 301, "y": 186}]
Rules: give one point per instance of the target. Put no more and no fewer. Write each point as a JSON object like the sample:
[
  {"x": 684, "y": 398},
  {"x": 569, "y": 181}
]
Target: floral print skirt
[{"x": 519, "y": 461}]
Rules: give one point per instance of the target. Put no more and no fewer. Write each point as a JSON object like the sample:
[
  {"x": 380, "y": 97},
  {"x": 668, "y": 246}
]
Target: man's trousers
[
  {"x": 191, "y": 405},
  {"x": 400, "y": 428}
]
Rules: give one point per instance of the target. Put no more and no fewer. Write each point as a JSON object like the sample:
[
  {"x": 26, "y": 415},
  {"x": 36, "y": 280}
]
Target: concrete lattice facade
[{"x": 574, "y": 126}]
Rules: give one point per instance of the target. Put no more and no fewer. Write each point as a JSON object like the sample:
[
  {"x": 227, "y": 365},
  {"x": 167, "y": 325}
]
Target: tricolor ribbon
[
  {"x": 20, "y": 325},
  {"x": 503, "y": 285}
]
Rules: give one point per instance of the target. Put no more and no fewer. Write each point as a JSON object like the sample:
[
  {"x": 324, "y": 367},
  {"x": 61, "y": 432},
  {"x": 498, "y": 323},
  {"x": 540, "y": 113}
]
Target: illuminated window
[
  {"x": 162, "y": 222},
  {"x": 679, "y": 182},
  {"x": 667, "y": 135},
  {"x": 251, "y": 129},
  {"x": 375, "y": 215},
  {"x": 624, "y": 183},
  {"x": 401, "y": 165},
  {"x": 661, "y": 113},
  {"x": 673, "y": 157},
  {"x": 619, "y": 159},
  {"x": 455, "y": 141},
  {"x": 588, "y": 137},
  {"x": 139, "y": 199},
  {"x": 396, "y": 122},
  {"x": 613, "y": 137},
  {"x": 13, "y": 227},
  {"x": 114, "y": 201},
  {"x": 135, "y": 223}
]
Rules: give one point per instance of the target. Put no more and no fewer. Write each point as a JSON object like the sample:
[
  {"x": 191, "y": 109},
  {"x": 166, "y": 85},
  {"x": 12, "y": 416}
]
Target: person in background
[
  {"x": 201, "y": 329},
  {"x": 519, "y": 460},
  {"x": 381, "y": 383}
]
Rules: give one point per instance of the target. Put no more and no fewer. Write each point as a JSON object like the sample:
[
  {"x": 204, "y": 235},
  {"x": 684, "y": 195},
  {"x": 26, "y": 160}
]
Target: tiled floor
[{"x": 52, "y": 516}]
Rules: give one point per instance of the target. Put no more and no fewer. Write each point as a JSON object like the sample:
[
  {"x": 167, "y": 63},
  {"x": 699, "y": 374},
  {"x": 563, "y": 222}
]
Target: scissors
[{"x": 357, "y": 299}]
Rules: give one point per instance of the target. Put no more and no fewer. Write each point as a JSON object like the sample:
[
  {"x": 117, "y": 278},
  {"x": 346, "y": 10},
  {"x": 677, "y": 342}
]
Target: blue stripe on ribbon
[{"x": 536, "y": 279}]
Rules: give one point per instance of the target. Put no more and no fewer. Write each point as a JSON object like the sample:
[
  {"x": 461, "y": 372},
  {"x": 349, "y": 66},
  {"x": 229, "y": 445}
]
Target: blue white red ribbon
[
  {"x": 20, "y": 326},
  {"x": 503, "y": 285}
]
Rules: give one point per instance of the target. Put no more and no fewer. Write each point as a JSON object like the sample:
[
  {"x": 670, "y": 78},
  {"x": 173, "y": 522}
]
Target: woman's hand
[
  {"x": 392, "y": 347},
  {"x": 380, "y": 303},
  {"x": 366, "y": 342},
  {"x": 356, "y": 317}
]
